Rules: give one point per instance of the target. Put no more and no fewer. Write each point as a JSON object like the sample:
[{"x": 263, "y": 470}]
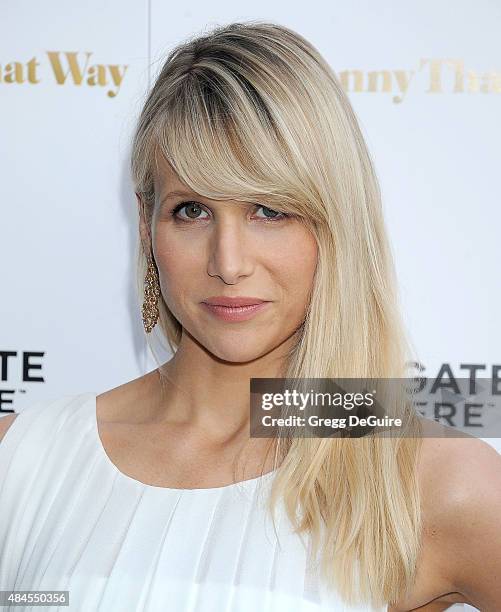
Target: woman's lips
[{"x": 235, "y": 313}]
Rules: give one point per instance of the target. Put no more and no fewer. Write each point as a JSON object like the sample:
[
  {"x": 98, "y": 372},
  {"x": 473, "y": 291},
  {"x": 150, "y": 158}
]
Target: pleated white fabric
[{"x": 70, "y": 520}]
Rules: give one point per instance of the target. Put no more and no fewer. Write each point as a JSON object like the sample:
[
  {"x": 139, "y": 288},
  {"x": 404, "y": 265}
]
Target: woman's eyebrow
[
  {"x": 191, "y": 194},
  {"x": 179, "y": 193},
  {"x": 176, "y": 194}
]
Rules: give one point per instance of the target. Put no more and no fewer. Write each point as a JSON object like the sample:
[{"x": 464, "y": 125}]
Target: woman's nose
[{"x": 230, "y": 252}]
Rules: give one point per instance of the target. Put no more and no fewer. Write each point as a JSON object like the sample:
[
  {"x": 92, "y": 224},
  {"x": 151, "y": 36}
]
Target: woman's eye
[
  {"x": 193, "y": 210},
  {"x": 271, "y": 214}
]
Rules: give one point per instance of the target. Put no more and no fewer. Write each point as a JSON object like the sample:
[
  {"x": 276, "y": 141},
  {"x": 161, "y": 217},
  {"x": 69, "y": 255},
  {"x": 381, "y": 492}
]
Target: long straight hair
[{"x": 251, "y": 111}]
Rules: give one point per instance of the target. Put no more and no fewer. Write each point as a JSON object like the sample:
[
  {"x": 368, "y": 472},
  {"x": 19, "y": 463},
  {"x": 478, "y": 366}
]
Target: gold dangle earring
[{"x": 151, "y": 294}]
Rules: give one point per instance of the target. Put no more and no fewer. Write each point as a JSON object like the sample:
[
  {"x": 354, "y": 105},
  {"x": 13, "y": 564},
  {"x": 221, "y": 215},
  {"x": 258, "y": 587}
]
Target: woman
[{"x": 263, "y": 255}]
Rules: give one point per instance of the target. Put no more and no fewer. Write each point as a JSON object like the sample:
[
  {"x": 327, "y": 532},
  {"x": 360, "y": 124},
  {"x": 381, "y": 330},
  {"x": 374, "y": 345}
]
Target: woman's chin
[
  {"x": 235, "y": 346},
  {"x": 241, "y": 353},
  {"x": 237, "y": 356}
]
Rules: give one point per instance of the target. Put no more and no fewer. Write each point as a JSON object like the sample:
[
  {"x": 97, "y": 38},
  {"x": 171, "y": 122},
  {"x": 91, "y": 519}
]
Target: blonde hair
[{"x": 251, "y": 111}]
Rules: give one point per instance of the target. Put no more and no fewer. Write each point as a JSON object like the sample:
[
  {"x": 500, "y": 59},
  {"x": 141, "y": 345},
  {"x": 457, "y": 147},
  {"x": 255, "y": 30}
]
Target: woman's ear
[{"x": 144, "y": 230}]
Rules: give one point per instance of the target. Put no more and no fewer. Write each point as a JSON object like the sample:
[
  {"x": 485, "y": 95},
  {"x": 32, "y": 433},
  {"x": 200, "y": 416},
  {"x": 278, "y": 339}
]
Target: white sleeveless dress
[{"x": 70, "y": 520}]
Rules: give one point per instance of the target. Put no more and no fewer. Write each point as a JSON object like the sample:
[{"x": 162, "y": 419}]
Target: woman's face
[{"x": 208, "y": 249}]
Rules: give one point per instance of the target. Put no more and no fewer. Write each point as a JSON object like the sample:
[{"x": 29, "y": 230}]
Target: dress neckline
[{"x": 99, "y": 444}]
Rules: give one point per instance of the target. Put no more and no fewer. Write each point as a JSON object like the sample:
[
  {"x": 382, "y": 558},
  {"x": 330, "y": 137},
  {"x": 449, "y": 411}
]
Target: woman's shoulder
[
  {"x": 453, "y": 465},
  {"x": 38, "y": 423},
  {"x": 114, "y": 404},
  {"x": 457, "y": 473},
  {"x": 460, "y": 481},
  {"x": 38, "y": 442}
]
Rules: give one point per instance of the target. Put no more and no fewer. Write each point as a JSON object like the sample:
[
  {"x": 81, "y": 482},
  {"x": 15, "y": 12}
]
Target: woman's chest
[{"x": 115, "y": 545}]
